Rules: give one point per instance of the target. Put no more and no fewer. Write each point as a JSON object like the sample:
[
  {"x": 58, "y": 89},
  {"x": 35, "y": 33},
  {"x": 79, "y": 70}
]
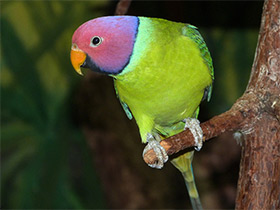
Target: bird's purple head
[{"x": 104, "y": 44}]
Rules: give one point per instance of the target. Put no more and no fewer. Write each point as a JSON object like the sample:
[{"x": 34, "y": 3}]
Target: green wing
[
  {"x": 192, "y": 32},
  {"x": 124, "y": 105}
]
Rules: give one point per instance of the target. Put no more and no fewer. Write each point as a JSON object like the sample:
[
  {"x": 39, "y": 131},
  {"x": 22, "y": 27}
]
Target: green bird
[{"x": 162, "y": 70}]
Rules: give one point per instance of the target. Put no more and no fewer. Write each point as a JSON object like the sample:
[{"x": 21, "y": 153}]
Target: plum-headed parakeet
[{"x": 162, "y": 70}]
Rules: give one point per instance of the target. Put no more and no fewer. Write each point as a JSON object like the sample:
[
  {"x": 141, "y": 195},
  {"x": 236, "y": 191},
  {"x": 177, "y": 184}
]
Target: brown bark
[
  {"x": 259, "y": 175},
  {"x": 122, "y": 7},
  {"x": 256, "y": 116}
]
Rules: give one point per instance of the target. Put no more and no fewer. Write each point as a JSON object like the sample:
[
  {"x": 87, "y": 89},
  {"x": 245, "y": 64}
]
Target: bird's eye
[{"x": 95, "y": 41}]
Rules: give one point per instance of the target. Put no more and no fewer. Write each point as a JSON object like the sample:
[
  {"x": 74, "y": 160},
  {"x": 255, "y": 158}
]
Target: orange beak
[{"x": 77, "y": 57}]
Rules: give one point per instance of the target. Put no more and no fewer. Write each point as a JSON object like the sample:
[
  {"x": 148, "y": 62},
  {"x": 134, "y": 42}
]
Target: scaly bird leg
[
  {"x": 153, "y": 143},
  {"x": 194, "y": 125}
]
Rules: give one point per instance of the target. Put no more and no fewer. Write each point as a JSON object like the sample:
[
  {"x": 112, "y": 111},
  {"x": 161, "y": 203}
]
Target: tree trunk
[{"x": 259, "y": 176}]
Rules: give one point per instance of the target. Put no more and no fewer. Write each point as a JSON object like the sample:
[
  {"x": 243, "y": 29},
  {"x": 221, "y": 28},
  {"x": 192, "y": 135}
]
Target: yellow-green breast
[{"x": 165, "y": 79}]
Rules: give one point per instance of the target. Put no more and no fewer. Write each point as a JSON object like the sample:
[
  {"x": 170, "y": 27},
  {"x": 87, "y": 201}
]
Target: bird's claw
[
  {"x": 160, "y": 152},
  {"x": 194, "y": 125}
]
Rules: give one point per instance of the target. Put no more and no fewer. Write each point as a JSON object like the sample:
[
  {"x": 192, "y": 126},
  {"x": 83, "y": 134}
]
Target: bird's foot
[
  {"x": 194, "y": 125},
  {"x": 160, "y": 152}
]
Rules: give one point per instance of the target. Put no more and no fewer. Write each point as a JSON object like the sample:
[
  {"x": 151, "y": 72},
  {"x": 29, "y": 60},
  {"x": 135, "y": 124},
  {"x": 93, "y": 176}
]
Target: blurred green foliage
[
  {"x": 45, "y": 162},
  {"x": 39, "y": 140},
  {"x": 232, "y": 51}
]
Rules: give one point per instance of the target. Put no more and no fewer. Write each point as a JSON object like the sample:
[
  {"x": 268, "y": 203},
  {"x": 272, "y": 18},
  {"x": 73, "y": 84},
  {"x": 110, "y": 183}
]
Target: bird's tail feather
[{"x": 184, "y": 164}]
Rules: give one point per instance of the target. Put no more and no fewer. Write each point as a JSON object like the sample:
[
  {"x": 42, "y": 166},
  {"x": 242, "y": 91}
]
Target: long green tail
[{"x": 184, "y": 164}]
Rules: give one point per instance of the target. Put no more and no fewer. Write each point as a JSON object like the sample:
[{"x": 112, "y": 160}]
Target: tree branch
[
  {"x": 122, "y": 7},
  {"x": 237, "y": 118}
]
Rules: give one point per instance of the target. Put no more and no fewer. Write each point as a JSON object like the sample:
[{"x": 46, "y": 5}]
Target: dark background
[{"x": 65, "y": 140}]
